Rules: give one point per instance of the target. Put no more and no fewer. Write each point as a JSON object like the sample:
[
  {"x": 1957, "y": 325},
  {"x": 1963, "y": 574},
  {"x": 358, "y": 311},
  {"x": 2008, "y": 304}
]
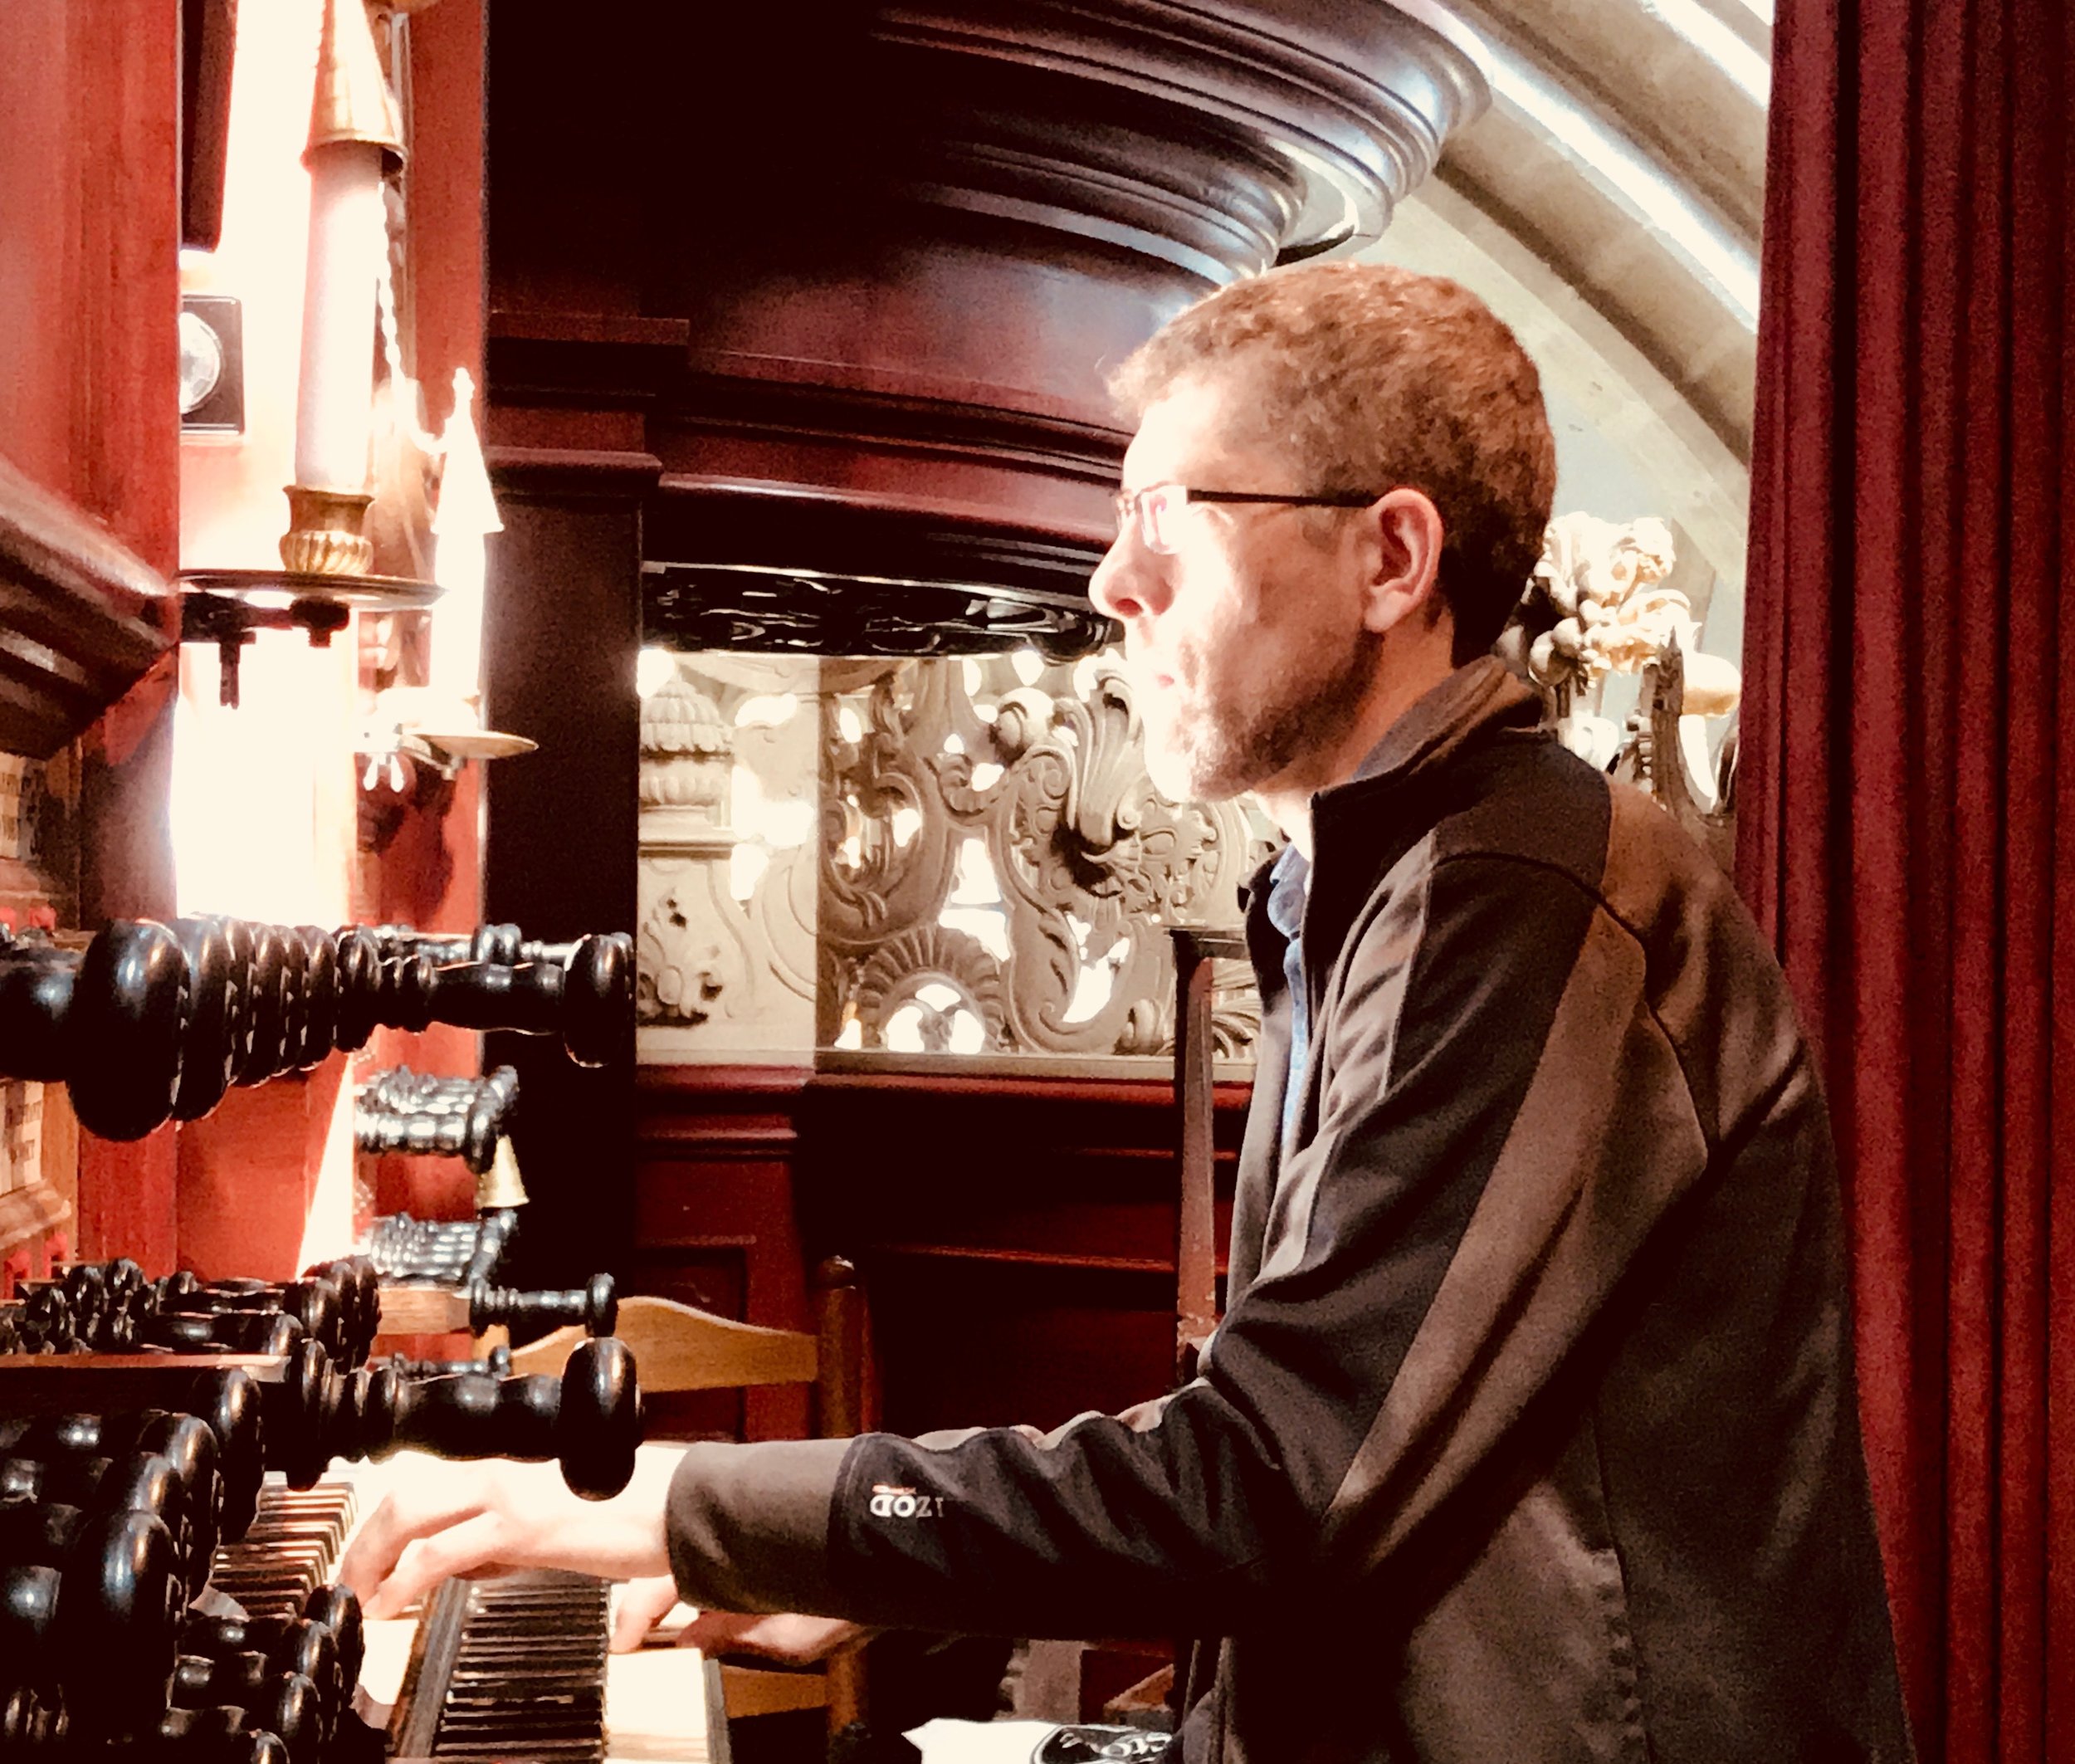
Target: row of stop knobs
[
  {"x": 111, "y": 1307},
  {"x": 152, "y": 1022},
  {"x": 109, "y": 1522}
]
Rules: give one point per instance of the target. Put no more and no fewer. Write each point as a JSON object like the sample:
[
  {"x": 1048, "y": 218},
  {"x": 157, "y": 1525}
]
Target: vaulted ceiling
[{"x": 1609, "y": 205}]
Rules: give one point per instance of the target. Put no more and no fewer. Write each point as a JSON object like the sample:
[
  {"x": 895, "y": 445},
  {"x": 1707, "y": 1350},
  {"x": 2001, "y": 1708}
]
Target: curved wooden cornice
[
  {"x": 81, "y": 617},
  {"x": 1356, "y": 98},
  {"x": 973, "y": 208}
]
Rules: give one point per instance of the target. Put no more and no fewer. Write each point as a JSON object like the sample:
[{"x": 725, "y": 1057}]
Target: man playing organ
[{"x": 1529, "y": 1432}]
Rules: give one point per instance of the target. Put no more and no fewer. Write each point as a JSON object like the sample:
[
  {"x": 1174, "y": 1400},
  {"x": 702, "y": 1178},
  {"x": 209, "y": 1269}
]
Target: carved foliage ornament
[{"x": 996, "y": 793}]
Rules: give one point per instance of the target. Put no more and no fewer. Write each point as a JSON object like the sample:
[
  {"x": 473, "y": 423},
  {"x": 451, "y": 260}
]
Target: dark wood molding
[
  {"x": 558, "y": 474},
  {"x": 82, "y": 617}
]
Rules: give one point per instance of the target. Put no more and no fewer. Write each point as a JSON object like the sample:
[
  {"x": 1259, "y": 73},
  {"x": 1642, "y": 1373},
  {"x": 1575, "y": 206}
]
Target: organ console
[{"x": 154, "y": 1432}]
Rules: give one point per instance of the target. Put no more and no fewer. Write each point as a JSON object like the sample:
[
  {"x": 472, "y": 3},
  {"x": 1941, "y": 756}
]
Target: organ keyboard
[{"x": 515, "y": 1668}]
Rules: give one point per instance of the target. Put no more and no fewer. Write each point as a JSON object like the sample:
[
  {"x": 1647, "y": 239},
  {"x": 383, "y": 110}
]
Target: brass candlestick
[{"x": 324, "y": 536}]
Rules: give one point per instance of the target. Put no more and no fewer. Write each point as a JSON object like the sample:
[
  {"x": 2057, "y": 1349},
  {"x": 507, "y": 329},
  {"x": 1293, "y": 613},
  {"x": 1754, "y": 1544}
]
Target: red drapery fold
[{"x": 1906, "y": 801}]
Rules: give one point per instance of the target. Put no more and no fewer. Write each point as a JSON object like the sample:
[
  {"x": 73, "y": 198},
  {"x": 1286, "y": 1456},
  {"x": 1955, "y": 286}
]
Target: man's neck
[{"x": 1287, "y": 798}]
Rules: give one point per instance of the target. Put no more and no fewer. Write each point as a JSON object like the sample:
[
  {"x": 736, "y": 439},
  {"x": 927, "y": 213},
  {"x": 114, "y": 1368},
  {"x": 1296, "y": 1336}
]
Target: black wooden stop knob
[
  {"x": 285, "y": 1644},
  {"x": 224, "y": 1331},
  {"x": 595, "y": 1305},
  {"x": 268, "y": 1004},
  {"x": 219, "y": 1735},
  {"x": 123, "y": 1459},
  {"x": 98, "y": 1622},
  {"x": 28, "y": 1618},
  {"x": 598, "y": 1000},
  {"x": 357, "y": 958},
  {"x": 35, "y": 999},
  {"x": 230, "y": 1402},
  {"x": 283, "y": 1703},
  {"x": 213, "y": 1040},
  {"x": 337, "y": 1609},
  {"x": 124, "y": 1029},
  {"x": 589, "y": 1420}
]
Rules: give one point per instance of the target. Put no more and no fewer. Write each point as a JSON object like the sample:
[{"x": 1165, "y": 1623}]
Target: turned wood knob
[
  {"x": 589, "y": 1420},
  {"x": 594, "y": 1305},
  {"x": 285, "y": 1644},
  {"x": 597, "y": 1023},
  {"x": 297, "y": 1416},
  {"x": 359, "y": 1286},
  {"x": 229, "y": 1402},
  {"x": 267, "y": 1006},
  {"x": 600, "y": 1424},
  {"x": 211, "y": 1044},
  {"x": 36, "y": 998},
  {"x": 123, "y": 1030},
  {"x": 285, "y": 1704},
  {"x": 94, "y": 1613},
  {"x": 321, "y": 998},
  {"x": 224, "y": 1331},
  {"x": 356, "y": 954},
  {"x": 28, "y": 1614},
  {"x": 219, "y": 1736},
  {"x": 336, "y": 1611},
  {"x": 77, "y": 1459}
]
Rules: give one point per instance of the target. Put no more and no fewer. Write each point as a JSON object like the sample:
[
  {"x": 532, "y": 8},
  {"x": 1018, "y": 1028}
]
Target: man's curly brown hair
[{"x": 1374, "y": 377}]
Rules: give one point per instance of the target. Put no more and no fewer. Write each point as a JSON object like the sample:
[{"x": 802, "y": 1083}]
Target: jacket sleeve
[{"x": 1486, "y": 1002}]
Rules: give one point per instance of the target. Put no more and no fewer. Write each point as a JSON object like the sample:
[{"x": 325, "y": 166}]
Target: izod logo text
[{"x": 890, "y": 1502}]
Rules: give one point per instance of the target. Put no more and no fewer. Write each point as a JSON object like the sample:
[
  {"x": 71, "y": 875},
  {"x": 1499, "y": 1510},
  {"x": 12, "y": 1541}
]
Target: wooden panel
[
  {"x": 558, "y": 655},
  {"x": 714, "y": 1226},
  {"x": 89, "y": 295},
  {"x": 1016, "y": 1238}
]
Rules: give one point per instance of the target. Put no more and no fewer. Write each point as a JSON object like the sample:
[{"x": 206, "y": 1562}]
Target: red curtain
[{"x": 1908, "y": 797}]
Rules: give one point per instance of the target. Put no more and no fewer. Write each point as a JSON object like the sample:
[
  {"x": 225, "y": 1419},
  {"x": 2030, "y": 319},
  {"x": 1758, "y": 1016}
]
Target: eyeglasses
[{"x": 1157, "y": 508}]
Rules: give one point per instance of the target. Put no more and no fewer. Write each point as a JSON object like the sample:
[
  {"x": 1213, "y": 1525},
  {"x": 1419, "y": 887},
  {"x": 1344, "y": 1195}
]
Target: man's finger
[
  {"x": 398, "y": 1522},
  {"x": 640, "y": 1605},
  {"x": 475, "y": 1545}
]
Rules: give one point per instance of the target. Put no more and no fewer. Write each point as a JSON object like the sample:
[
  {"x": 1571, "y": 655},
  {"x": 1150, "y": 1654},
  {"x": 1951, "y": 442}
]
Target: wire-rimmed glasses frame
[{"x": 1152, "y": 507}]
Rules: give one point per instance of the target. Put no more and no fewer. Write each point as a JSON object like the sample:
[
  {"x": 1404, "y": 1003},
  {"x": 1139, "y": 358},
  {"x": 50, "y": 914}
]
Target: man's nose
[{"x": 1123, "y": 585}]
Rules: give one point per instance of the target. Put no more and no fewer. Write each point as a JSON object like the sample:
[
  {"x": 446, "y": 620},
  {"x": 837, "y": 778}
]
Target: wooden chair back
[{"x": 678, "y": 1347}]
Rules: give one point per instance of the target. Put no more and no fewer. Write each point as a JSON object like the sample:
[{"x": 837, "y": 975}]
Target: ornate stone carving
[
  {"x": 945, "y": 980},
  {"x": 989, "y": 873},
  {"x": 687, "y": 754},
  {"x": 1600, "y": 604},
  {"x": 995, "y": 791},
  {"x": 726, "y": 970}
]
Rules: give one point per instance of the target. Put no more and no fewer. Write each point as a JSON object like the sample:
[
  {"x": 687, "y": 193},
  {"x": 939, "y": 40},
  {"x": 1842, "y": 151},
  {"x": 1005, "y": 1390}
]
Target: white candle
[
  {"x": 348, "y": 236},
  {"x": 467, "y": 512}
]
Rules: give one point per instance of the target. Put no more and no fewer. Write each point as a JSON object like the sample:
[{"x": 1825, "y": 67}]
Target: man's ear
[{"x": 1406, "y": 575}]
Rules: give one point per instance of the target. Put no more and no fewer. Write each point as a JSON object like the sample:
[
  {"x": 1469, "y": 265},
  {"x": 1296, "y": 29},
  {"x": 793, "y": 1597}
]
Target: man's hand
[
  {"x": 490, "y": 1518},
  {"x": 798, "y": 1641}
]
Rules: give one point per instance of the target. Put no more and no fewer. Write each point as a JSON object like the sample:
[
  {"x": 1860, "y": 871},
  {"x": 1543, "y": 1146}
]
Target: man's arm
[
  {"x": 1234, "y": 1495},
  {"x": 1195, "y": 1513}
]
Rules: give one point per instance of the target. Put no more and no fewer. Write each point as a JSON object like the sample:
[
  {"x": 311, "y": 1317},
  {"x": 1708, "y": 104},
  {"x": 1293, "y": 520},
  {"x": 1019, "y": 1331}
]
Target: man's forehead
[{"x": 1201, "y": 420}]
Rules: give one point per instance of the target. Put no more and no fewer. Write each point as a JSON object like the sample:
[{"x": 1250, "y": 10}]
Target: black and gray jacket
[{"x": 1529, "y": 1432}]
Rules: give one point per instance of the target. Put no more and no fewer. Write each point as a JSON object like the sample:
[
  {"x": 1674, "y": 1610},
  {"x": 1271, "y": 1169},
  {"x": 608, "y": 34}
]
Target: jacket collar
[
  {"x": 1478, "y": 701},
  {"x": 1477, "y": 698}
]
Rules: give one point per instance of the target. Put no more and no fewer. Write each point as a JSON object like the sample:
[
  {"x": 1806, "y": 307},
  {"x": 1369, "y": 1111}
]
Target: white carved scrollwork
[
  {"x": 725, "y": 955},
  {"x": 1080, "y": 864},
  {"x": 990, "y": 871}
]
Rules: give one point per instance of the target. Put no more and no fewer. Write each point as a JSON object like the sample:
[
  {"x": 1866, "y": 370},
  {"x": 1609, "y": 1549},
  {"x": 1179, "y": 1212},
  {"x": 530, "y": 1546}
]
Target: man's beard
[{"x": 1212, "y": 754}]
